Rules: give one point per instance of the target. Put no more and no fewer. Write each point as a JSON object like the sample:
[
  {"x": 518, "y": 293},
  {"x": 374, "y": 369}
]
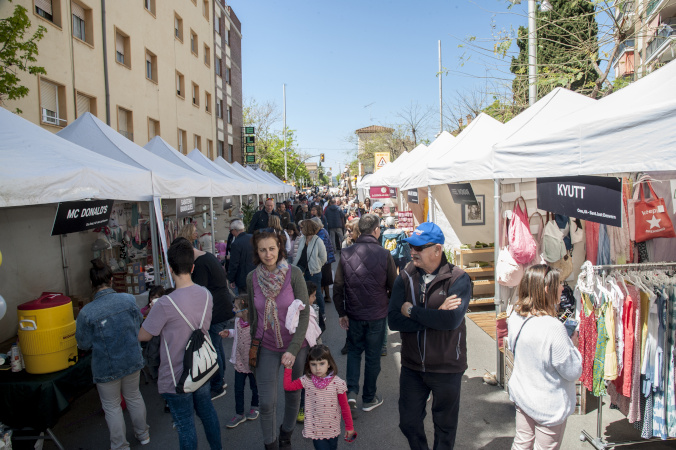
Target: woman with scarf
[{"x": 272, "y": 287}]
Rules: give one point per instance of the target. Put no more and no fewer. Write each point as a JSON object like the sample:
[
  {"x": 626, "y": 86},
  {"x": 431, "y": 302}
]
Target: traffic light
[{"x": 321, "y": 157}]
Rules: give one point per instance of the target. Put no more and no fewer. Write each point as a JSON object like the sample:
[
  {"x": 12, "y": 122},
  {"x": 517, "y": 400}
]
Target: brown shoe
[{"x": 327, "y": 299}]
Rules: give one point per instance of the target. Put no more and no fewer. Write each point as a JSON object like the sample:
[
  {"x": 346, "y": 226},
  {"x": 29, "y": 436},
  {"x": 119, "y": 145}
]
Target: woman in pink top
[{"x": 325, "y": 399}]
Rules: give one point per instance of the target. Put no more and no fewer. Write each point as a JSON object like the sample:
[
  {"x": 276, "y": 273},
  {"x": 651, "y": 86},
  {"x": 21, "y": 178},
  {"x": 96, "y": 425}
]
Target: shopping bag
[
  {"x": 651, "y": 217},
  {"x": 522, "y": 246}
]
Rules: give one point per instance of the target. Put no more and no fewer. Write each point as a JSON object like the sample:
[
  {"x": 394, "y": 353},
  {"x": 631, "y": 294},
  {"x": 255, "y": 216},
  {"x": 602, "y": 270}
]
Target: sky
[{"x": 338, "y": 57}]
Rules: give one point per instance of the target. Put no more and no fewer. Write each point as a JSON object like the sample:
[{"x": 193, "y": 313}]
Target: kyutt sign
[
  {"x": 412, "y": 195},
  {"x": 597, "y": 199},
  {"x": 463, "y": 193},
  {"x": 81, "y": 215}
]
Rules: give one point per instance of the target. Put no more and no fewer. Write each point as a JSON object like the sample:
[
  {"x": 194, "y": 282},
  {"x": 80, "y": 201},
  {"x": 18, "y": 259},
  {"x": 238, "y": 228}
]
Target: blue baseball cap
[{"x": 426, "y": 233}]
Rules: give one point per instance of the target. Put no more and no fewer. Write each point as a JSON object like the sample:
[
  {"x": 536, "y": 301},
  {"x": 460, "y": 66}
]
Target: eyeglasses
[{"x": 420, "y": 248}]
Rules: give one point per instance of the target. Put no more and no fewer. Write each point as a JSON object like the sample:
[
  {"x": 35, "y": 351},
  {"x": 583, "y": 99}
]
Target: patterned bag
[{"x": 651, "y": 217}]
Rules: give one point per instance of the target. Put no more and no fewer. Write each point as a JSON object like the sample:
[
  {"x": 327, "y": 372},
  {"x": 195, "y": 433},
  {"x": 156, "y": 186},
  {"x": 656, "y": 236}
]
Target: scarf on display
[
  {"x": 271, "y": 284},
  {"x": 322, "y": 382}
]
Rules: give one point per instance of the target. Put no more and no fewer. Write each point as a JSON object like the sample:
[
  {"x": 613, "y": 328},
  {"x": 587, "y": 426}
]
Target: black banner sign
[
  {"x": 81, "y": 215},
  {"x": 463, "y": 194},
  {"x": 393, "y": 192},
  {"x": 412, "y": 195},
  {"x": 597, "y": 199},
  {"x": 185, "y": 207},
  {"x": 227, "y": 203}
]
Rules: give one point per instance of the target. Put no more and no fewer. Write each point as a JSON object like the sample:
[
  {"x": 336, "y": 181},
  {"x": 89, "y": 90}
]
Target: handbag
[
  {"x": 509, "y": 272},
  {"x": 522, "y": 246},
  {"x": 553, "y": 247},
  {"x": 501, "y": 328},
  {"x": 651, "y": 217},
  {"x": 540, "y": 232},
  {"x": 254, "y": 351}
]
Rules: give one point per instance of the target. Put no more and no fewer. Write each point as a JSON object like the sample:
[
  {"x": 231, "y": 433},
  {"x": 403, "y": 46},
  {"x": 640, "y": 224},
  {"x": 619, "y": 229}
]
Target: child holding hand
[
  {"x": 239, "y": 357},
  {"x": 325, "y": 400}
]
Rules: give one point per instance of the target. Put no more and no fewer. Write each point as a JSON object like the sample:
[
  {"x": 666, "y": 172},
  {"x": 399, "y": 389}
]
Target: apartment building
[
  {"x": 228, "y": 88},
  {"x": 145, "y": 67},
  {"x": 648, "y": 36}
]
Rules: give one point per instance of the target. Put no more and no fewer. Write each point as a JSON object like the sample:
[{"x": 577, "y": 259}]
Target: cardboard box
[{"x": 134, "y": 268}]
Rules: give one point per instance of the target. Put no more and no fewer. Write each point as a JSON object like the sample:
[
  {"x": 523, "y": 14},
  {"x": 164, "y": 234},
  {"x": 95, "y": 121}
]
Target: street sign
[
  {"x": 250, "y": 139},
  {"x": 253, "y": 166},
  {"x": 250, "y": 158},
  {"x": 251, "y": 149},
  {"x": 381, "y": 159},
  {"x": 249, "y": 130}
]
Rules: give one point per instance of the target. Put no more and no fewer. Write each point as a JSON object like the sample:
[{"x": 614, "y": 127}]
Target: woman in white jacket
[
  {"x": 310, "y": 257},
  {"x": 546, "y": 362}
]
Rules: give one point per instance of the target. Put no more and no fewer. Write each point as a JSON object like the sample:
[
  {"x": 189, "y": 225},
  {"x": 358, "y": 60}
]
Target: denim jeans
[
  {"x": 317, "y": 280},
  {"x": 183, "y": 407},
  {"x": 217, "y": 380},
  {"x": 364, "y": 336},
  {"x": 240, "y": 380},
  {"x": 414, "y": 390},
  {"x": 336, "y": 233},
  {"x": 326, "y": 444}
]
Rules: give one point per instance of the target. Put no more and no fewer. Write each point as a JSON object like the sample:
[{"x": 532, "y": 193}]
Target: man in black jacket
[
  {"x": 260, "y": 219},
  {"x": 241, "y": 257},
  {"x": 364, "y": 279},
  {"x": 428, "y": 304},
  {"x": 336, "y": 221}
]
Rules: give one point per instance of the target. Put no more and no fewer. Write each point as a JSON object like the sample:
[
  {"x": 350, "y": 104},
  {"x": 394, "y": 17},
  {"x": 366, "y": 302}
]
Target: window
[
  {"x": 230, "y": 153},
  {"x": 49, "y": 10},
  {"x": 197, "y": 141},
  {"x": 218, "y": 66},
  {"x": 151, "y": 66},
  {"x": 227, "y": 75},
  {"x": 182, "y": 138},
  {"x": 219, "y": 149},
  {"x": 219, "y": 107},
  {"x": 207, "y": 55},
  {"x": 153, "y": 128},
  {"x": 85, "y": 104},
  {"x": 180, "y": 84},
  {"x": 193, "y": 42},
  {"x": 227, "y": 37},
  {"x": 205, "y": 9},
  {"x": 125, "y": 123},
  {"x": 229, "y": 114},
  {"x": 178, "y": 27},
  {"x": 207, "y": 102},
  {"x": 195, "y": 95},
  {"x": 217, "y": 25},
  {"x": 52, "y": 103},
  {"x": 79, "y": 22},
  {"x": 149, "y": 5},
  {"x": 122, "y": 48},
  {"x": 210, "y": 149}
]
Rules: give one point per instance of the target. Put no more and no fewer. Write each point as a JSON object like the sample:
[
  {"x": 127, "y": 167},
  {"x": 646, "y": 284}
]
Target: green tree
[{"x": 17, "y": 54}]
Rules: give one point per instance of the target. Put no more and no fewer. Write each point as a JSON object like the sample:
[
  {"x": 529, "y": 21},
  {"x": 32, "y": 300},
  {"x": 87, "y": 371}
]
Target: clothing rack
[{"x": 598, "y": 441}]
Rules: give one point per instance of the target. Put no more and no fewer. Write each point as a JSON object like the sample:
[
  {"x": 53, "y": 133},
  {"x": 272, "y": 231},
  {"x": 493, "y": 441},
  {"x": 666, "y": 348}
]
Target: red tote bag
[
  {"x": 652, "y": 218},
  {"x": 522, "y": 246}
]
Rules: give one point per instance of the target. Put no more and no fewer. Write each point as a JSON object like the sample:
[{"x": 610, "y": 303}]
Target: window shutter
[
  {"x": 45, "y": 5},
  {"x": 149, "y": 58},
  {"x": 83, "y": 104},
  {"x": 48, "y": 95},
  {"x": 78, "y": 11},
  {"x": 151, "y": 129},
  {"x": 176, "y": 24},
  {"x": 119, "y": 43},
  {"x": 178, "y": 83},
  {"x": 121, "y": 120}
]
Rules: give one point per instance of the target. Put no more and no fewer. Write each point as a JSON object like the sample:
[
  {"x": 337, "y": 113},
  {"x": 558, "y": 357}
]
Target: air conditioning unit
[{"x": 49, "y": 117}]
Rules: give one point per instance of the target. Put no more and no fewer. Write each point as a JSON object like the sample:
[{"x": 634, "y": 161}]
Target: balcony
[
  {"x": 652, "y": 7},
  {"x": 662, "y": 40},
  {"x": 624, "y": 10},
  {"x": 624, "y": 47}
]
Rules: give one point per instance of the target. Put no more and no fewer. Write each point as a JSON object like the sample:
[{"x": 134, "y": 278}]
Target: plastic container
[{"x": 47, "y": 333}]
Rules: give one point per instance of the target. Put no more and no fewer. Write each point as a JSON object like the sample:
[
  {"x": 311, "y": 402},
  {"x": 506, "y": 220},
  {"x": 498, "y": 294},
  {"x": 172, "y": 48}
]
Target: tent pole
[
  {"x": 155, "y": 243},
  {"x": 496, "y": 246},
  {"x": 213, "y": 233},
  {"x": 430, "y": 201},
  {"x": 64, "y": 262}
]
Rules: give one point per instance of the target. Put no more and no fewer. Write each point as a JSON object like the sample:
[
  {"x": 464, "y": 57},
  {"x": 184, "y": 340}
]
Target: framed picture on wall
[{"x": 474, "y": 214}]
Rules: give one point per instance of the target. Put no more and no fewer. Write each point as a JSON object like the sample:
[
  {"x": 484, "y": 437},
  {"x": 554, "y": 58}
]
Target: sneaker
[
  {"x": 145, "y": 441},
  {"x": 373, "y": 404},
  {"x": 252, "y": 414},
  {"x": 343, "y": 351},
  {"x": 217, "y": 394},
  {"x": 301, "y": 415},
  {"x": 383, "y": 351},
  {"x": 239, "y": 418},
  {"x": 352, "y": 403}
]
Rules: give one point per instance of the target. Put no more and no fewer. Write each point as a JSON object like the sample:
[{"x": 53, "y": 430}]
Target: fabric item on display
[
  {"x": 603, "y": 252},
  {"x": 553, "y": 247},
  {"x": 651, "y": 216},
  {"x": 592, "y": 234},
  {"x": 563, "y": 222},
  {"x": 564, "y": 266},
  {"x": 576, "y": 231},
  {"x": 522, "y": 246}
]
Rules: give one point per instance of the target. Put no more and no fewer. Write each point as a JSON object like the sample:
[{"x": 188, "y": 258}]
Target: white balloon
[{"x": 3, "y": 307}]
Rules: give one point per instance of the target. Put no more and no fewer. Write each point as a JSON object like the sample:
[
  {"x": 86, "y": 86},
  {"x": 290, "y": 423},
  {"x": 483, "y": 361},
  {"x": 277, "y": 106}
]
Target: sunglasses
[{"x": 420, "y": 248}]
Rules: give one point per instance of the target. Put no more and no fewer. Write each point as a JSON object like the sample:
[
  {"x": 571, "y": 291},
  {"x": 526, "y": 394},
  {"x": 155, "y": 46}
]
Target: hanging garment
[
  {"x": 600, "y": 356},
  {"x": 592, "y": 235},
  {"x": 650, "y": 349},
  {"x": 587, "y": 342},
  {"x": 610, "y": 365},
  {"x": 635, "y": 412},
  {"x": 603, "y": 253},
  {"x": 647, "y": 429},
  {"x": 623, "y": 381}
]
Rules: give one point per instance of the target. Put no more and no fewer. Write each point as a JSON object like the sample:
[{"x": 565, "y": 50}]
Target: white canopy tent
[
  {"x": 38, "y": 167},
  {"x": 269, "y": 187},
  {"x": 273, "y": 179},
  {"x": 630, "y": 130},
  {"x": 382, "y": 176},
  {"x": 221, "y": 184},
  {"x": 275, "y": 187},
  {"x": 417, "y": 170},
  {"x": 169, "y": 181},
  {"x": 220, "y": 165}
]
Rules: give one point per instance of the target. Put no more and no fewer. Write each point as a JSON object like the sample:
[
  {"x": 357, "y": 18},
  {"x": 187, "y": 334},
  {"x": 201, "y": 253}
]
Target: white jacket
[{"x": 316, "y": 254}]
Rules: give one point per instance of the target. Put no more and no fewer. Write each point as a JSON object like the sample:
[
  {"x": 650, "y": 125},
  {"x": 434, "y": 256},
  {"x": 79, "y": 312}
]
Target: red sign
[
  {"x": 379, "y": 192},
  {"x": 405, "y": 219}
]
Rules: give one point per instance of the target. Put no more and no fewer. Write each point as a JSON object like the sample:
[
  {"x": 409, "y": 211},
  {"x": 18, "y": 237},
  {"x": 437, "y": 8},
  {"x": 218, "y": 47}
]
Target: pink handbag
[
  {"x": 508, "y": 271},
  {"x": 522, "y": 246}
]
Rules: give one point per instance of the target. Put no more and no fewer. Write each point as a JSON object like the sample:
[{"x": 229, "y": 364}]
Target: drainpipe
[{"x": 105, "y": 60}]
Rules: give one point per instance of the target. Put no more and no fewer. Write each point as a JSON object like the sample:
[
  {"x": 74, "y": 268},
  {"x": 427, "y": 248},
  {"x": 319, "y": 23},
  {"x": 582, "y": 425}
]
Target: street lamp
[{"x": 545, "y": 6}]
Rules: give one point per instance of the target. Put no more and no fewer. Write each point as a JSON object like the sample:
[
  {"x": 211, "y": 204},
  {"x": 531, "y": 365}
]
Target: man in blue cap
[{"x": 428, "y": 304}]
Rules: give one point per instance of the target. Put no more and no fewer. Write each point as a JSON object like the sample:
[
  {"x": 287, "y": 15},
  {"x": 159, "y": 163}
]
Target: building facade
[
  {"x": 647, "y": 29},
  {"x": 145, "y": 67}
]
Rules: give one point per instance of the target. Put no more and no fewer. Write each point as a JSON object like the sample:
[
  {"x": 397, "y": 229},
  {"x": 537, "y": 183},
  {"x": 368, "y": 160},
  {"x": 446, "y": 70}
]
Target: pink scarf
[
  {"x": 321, "y": 383},
  {"x": 271, "y": 284}
]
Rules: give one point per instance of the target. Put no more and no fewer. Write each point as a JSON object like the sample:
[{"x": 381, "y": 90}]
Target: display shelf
[
  {"x": 475, "y": 250},
  {"x": 482, "y": 301},
  {"x": 484, "y": 282},
  {"x": 482, "y": 277},
  {"x": 473, "y": 271}
]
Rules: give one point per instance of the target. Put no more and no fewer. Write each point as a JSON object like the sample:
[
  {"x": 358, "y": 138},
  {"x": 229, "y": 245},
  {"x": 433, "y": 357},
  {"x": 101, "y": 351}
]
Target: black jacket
[
  {"x": 260, "y": 220},
  {"x": 241, "y": 261},
  {"x": 431, "y": 340},
  {"x": 334, "y": 216}
]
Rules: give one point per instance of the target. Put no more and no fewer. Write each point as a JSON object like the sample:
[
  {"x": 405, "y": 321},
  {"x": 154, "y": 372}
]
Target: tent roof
[
  {"x": 38, "y": 167},
  {"x": 273, "y": 179},
  {"x": 391, "y": 173},
  {"x": 221, "y": 184},
  {"x": 630, "y": 130},
  {"x": 417, "y": 169},
  {"x": 199, "y": 158},
  {"x": 169, "y": 181}
]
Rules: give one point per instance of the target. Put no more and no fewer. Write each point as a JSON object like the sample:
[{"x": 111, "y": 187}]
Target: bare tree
[{"x": 416, "y": 118}]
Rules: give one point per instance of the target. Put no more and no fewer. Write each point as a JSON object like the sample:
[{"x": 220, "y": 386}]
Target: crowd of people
[{"x": 269, "y": 296}]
